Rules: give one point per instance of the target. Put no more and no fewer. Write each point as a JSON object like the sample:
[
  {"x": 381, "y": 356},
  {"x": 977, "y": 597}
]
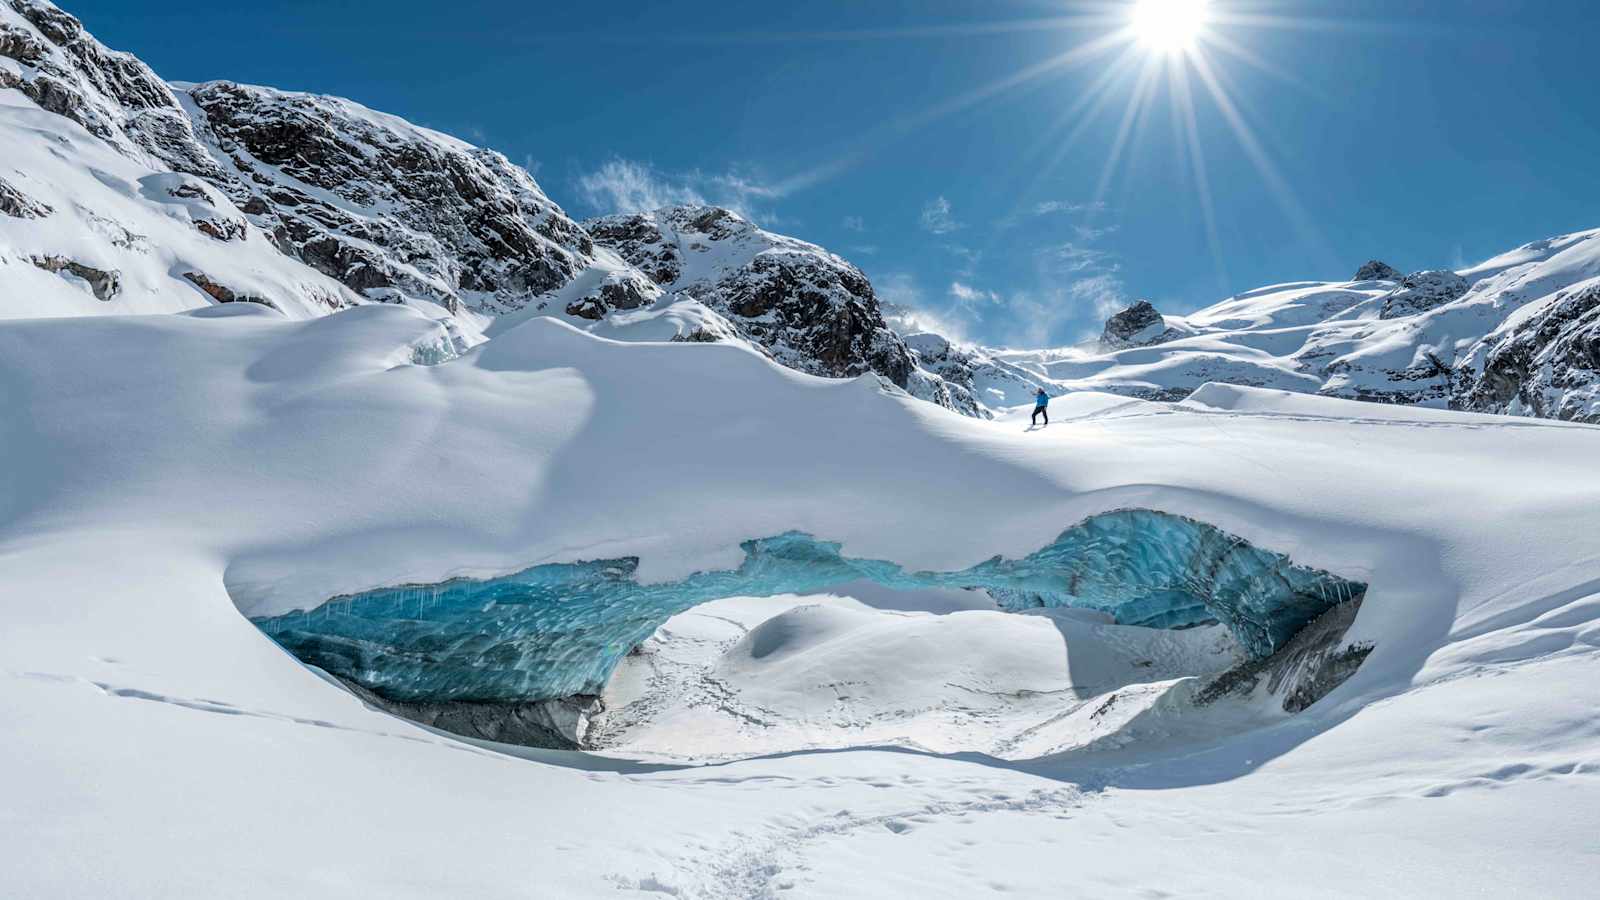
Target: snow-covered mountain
[
  {"x": 127, "y": 194},
  {"x": 121, "y": 193},
  {"x": 1515, "y": 334}
]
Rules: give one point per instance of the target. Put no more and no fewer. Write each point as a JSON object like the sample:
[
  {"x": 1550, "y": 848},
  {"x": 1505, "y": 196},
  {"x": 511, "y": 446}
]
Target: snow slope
[{"x": 164, "y": 474}]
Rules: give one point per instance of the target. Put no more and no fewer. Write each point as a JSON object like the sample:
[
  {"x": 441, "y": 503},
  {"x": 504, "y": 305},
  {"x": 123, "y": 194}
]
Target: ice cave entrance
[{"x": 558, "y": 631}]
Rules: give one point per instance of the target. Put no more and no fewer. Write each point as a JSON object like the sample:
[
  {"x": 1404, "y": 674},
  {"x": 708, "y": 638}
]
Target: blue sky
[{"x": 900, "y": 134}]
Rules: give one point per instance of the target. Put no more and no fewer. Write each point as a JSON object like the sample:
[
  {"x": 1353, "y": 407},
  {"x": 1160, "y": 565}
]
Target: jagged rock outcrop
[
  {"x": 113, "y": 95},
  {"x": 223, "y": 294},
  {"x": 810, "y": 309},
  {"x": 1377, "y": 270},
  {"x": 1545, "y": 365},
  {"x": 104, "y": 284},
  {"x": 1137, "y": 326},
  {"x": 18, "y": 205},
  {"x": 1422, "y": 291},
  {"x": 389, "y": 209}
]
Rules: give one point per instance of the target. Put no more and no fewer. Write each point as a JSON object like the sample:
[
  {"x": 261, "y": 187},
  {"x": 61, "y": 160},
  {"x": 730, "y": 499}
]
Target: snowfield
[{"x": 166, "y": 476}]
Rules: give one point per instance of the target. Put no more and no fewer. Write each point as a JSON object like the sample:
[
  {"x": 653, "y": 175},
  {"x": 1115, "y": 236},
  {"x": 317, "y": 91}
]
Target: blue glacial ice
[{"x": 558, "y": 630}]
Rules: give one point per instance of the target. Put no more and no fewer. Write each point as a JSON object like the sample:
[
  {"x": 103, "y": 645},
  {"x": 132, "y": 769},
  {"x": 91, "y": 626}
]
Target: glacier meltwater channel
[{"x": 558, "y": 630}]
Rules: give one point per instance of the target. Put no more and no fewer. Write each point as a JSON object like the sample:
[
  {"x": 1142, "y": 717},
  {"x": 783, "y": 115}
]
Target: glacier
[{"x": 559, "y": 630}]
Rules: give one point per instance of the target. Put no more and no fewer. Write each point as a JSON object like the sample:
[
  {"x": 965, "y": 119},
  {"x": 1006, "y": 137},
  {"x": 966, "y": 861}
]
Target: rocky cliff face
[
  {"x": 343, "y": 205},
  {"x": 114, "y": 96},
  {"x": 389, "y": 209},
  {"x": 810, "y": 309},
  {"x": 1545, "y": 363}
]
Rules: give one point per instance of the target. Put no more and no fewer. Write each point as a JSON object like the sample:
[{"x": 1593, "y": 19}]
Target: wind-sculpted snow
[{"x": 555, "y": 631}]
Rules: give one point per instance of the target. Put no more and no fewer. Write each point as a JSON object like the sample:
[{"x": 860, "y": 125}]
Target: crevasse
[{"x": 555, "y": 631}]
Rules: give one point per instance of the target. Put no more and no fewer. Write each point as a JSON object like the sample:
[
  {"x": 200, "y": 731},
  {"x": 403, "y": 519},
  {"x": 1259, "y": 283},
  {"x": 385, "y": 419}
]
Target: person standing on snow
[{"x": 1041, "y": 400}]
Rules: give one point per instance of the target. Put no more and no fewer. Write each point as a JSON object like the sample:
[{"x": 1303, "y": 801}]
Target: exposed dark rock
[
  {"x": 624, "y": 291},
  {"x": 18, "y": 205},
  {"x": 1422, "y": 291},
  {"x": 1137, "y": 326},
  {"x": 105, "y": 285},
  {"x": 1548, "y": 365},
  {"x": 591, "y": 308},
  {"x": 1376, "y": 270},
  {"x": 550, "y": 724},
  {"x": 1304, "y": 670},
  {"x": 223, "y": 229},
  {"x": 223, "y": 294}
]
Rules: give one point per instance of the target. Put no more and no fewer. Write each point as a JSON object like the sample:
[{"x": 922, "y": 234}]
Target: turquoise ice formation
[{"x": 558, "y": 630}]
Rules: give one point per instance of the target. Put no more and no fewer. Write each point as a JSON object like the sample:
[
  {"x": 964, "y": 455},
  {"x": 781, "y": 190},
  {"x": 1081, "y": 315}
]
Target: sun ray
[
  {"x": 1141, "y": 91},
  {"x": 1197, "y": 159},
  {"x": 1298, "y": 22},
  {"x": 1255, "y": 60},
  {"x": 1096, "y": 98},
  {"x": 904, "y": 125},
  {"x": 1277, "y": 185}
]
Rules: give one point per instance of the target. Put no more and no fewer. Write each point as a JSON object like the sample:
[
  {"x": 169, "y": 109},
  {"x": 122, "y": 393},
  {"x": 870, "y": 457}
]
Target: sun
[{"x": 1169, "y": 26}]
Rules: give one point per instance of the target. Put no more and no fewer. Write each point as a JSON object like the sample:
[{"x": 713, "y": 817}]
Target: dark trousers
[{"x": 1040, "y": 411}]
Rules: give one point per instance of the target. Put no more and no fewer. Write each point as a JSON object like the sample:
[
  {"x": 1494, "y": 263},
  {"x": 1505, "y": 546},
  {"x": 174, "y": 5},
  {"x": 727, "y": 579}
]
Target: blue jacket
[{"x": 1041, "y": 400}]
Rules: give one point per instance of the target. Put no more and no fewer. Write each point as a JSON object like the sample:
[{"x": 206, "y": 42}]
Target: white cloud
[
  {"x": 965, "y": 293},
  {"x": 1050, "y": 207},
  {"x": 1105, "y": 293},
  {"x": 937, "y": 217},
  {"x": 906, "y": 309},
  {"x": 1070, "y": 258},
  {"x": 626, "y": 186},
  {"x": 854, "y": 223}
]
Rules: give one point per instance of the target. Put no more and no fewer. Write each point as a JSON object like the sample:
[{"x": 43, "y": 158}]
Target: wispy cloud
[
  {"x": 1072, "y": 258},
  {"x": 907, "y": 310},
  {"x": 854, "y": 223},
  {"x": 937, "y": 217},
  {"x": 1052, "y": 207},
  {"x": 966, "y": 293},
  {"x": 628, "y": 186}
]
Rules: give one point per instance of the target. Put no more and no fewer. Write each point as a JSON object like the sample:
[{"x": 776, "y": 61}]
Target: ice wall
[{"x": 558, "y": 630}]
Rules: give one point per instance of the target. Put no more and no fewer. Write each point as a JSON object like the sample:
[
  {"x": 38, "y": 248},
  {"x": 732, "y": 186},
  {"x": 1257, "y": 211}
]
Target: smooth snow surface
[
  {"x": 164, "y": 477},
  {"x": 747, "y": 676}
]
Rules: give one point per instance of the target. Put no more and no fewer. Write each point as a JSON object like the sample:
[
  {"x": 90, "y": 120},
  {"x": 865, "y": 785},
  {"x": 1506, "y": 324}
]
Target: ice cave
[{"x": 557, "y": 631}]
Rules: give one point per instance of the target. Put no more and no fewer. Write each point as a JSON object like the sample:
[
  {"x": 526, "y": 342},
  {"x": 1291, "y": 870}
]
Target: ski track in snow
[{"x": 764, "y": 864}]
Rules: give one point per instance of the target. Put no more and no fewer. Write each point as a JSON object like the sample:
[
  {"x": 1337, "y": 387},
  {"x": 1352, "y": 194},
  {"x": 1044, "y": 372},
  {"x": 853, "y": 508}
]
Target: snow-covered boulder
[{"x": 1137, "y": 326}]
